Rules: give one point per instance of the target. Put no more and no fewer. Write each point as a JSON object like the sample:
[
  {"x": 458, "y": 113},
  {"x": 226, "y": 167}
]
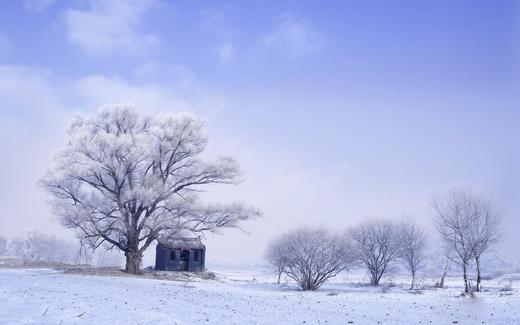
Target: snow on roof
[{"x": 183, "y": 242}]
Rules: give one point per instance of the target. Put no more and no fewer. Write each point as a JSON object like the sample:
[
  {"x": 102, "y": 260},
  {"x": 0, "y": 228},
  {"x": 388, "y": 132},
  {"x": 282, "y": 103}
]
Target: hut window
[
  {"x": 172, "y": 255},
  {"x": 196, "y": 256},
  {"x": 185, "y": 255}
]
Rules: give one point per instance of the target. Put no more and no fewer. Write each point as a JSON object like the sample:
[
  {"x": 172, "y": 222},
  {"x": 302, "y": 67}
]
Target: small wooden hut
[{"x": 180, "y": 254}]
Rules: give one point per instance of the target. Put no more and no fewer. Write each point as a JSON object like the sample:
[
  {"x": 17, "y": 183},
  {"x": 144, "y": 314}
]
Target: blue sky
[{"x": 336, "y": 110}]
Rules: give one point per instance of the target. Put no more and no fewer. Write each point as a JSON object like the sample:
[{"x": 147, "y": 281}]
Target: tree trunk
[
  {"x": 477, "y": 260},
  {"x": 373, "y": 279},
  {"x": 465, "y": 270},
  {"x": 444, "y": 273},
  {"x": 133, "y": 263},
  {"x": 279, "y": 276},
  {"x": 413, "y": 281}
]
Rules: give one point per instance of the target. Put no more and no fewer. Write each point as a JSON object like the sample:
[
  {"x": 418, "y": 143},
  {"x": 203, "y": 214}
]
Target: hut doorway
[{"x": 184, "y": 260}]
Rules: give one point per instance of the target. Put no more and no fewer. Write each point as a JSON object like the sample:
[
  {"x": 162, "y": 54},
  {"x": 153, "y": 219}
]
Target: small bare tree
[
  {"x": 446, "y": 266},
  {"x": 453, "y": 222},
  {"x": 3, "y": 245},
  {"x": 468, "y": 225},
  {"x": 412, "y": 250},
  {"x": 277, "y": 257},
  {"x": 312, "y": 256},
  {"x": 378, "y": 246},
  {"x": 350, "y": 253},
  {"x": 483, "y": 231}
]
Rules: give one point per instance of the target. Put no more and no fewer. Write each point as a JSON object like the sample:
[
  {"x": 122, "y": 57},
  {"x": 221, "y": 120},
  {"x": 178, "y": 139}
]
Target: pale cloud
[
  {"x": 18, "y": 81},
  {"x": 294, "y": 35},
  {"x": 213, "y": 21},
  {"x": 50, "y": 93},
  {"x": 177, "y": 75},
  {"x": 111, "y": 27},
  {"x": 226, "y": 52},
  {"x": 96, "y": 90},
  {"x": 93, "y": 91},
  {"x": 37, "y": 6}
]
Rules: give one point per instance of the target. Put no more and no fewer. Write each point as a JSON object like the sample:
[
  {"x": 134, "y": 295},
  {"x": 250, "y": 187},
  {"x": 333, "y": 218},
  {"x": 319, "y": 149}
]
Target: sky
[{"x": 337, "y": 111}]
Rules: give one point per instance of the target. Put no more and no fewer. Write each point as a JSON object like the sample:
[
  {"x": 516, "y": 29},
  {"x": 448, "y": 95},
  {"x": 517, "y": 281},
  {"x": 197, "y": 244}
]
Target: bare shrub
[
  {"x": 507, "y": 287},
  {"x": 378, "y": 244},
  {"x": 412, "y": 248},
  {"x": 310, "y": 256}
]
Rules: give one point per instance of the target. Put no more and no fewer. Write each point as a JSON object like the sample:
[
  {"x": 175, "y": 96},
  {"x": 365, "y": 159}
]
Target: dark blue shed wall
[{"x": 164, "y": 262}]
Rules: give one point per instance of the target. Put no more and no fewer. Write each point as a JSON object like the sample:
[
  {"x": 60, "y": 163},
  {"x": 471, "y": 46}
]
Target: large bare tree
[
  {"x": 468, "y": 225},
  {"x": 413, "y": 244},
  {"x": 125, "y": 179},
  {"x": 378, "y": 245}
]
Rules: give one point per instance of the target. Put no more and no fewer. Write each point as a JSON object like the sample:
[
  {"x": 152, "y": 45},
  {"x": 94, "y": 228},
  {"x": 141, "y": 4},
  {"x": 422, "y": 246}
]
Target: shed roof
[{"x": 182, "y": 242}]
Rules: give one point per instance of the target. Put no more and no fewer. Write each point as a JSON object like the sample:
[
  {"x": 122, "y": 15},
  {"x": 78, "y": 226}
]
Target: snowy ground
[{"x": 44, "y": 296}]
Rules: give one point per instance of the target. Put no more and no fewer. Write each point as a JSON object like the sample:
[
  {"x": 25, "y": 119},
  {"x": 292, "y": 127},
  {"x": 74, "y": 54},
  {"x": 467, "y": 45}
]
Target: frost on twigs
[
  {"x": 309, "y": 256},
  {"x": 469, "y": 227},
  {"x": 125, "y": 179},
  {"x": 378, "y": 242}
]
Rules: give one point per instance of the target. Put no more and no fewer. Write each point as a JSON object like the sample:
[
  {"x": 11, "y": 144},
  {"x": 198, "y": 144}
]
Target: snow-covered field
[{"x": 44, "y": 296}]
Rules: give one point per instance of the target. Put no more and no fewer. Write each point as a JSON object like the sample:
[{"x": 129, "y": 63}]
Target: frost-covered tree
[
  {"x": 3, "y": 245},
  {"x": 311, "y": 256},
  {"x": 276, "y": 256},
  {"x": 484, "y": 232},
  {"x": 36, "y": 246},
  {"x": 468, "y": 225},
  {"x": 125, "y": 179},
  {"x": 378, "y": 245},
  {"x": 412, "y": 251},
  {"x": 453, "y": 213}
]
